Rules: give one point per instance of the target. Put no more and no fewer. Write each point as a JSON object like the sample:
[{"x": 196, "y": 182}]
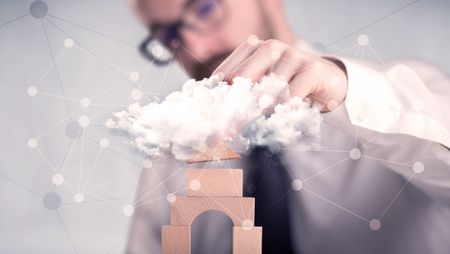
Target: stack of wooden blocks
[{"x": 213, "y": 189}]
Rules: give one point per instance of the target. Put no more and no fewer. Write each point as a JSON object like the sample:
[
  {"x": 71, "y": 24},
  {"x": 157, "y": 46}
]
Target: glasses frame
[{"x": 143, "y": 47}]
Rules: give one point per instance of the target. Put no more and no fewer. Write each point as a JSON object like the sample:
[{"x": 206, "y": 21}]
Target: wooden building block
[
  {"x": 219, "y": 152},
  {"x": 214, "y": 182},
  {"x": 247, "y": 240},
  {"x": 185, "y": 209},
  {"x": 213, "y": 189},
  {"x": 176, "y": 240}
]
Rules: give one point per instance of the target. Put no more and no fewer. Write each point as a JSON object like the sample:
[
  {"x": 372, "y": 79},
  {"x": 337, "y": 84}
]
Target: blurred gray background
[{"x": 37, "y": 216}]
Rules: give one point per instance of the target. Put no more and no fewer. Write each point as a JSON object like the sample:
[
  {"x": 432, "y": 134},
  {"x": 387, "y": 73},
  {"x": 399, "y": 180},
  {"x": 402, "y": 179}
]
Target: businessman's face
[{"x": 218, "y": 27}]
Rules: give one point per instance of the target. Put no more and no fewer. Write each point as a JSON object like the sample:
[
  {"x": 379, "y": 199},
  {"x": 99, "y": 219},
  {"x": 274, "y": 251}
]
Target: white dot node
[
  {"x": 252, "y": 40},
  {"x": 134, "y": 76},
  {"x": 136, "y": 94},
  {"x": 418, "y": 167},
  {"x": 247, "y": 224},
  {"x": 32, "y": 90},
  {"x": 157, "y": 51},
  {"x": 171, "y": 197},
  {"x": 438, "y": 150},
  {"x": 147, "y": 163},
  {"x": 57, "y": 179},
  {"x": 375, "y": 224},
  {"x": 32, "y": 143},
  {"x": 275, "y": 55},
  {"x": 104, "y": 143},
  {"x": 85, "y": 102},
  {"x": 355, "y": 154},
  {"x": 68, "y": 43},
  {"x": 195, "y": 184},
  {"x": 83, "y": 121},
  {"x": 128, "y": 210},
  {"x": 297, "y": 184},
  {"x": 78, "y": 197},
  {"x": 332, "y": 104},
  {"x": 363, "y": 40}
]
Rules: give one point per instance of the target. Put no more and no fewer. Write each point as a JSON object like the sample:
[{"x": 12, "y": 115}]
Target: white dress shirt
[{"x": 380, "y": 183}]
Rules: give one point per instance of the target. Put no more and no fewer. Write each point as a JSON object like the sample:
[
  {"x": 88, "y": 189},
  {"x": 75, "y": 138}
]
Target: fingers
[
  {"x": 260, "y": 62},
  {"x": 290, "y": 64},
  {"x": 302, "y": 85},
  {"x": 309, "y": 76},
  {"x": 239, "y": 54},
  {"x": 253, "y": 61},
  {"x": 322, "y": 83}
]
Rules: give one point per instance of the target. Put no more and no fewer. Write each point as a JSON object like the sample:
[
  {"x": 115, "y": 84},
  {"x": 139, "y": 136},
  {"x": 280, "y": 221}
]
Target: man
[{"x": 381, "y": 182}]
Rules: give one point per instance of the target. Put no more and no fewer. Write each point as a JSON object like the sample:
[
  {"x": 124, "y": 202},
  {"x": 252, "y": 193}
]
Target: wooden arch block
[
  {"x": 247, "y": 240},
  {"x": 214, "y": 182},
  {"x": 176, "y": 240},
  {"x": 185, "y": 209}
]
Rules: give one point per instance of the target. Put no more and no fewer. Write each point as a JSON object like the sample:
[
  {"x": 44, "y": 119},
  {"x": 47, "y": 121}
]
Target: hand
[{"x": 323, "y": 81}]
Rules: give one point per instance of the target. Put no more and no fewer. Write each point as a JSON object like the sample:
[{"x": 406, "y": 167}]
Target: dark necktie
[{"x": 269, "y": 184}]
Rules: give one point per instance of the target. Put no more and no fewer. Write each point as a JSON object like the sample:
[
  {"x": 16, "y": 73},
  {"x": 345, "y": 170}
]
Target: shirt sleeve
[
  {"x": 152, "y": 209},
  {"x": 400, "y": 119}
]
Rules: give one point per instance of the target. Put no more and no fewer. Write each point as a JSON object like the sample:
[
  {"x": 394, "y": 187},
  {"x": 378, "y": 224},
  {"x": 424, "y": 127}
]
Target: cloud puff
[{"x": 243, "y": 114}]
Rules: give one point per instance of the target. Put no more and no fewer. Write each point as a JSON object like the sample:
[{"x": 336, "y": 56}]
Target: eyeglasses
[{"x": 200, "y": 16}]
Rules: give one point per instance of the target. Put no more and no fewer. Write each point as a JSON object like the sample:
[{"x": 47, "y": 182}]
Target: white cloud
[{"x": 243, "y": 114}]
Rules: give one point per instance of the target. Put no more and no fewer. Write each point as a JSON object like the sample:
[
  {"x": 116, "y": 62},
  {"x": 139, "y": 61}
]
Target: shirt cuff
[{"x": 396, "y": 102}]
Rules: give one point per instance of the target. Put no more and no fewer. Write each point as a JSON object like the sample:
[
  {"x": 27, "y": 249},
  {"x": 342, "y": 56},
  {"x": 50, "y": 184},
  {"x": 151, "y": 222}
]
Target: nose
[{"x": 201, "y": 46}]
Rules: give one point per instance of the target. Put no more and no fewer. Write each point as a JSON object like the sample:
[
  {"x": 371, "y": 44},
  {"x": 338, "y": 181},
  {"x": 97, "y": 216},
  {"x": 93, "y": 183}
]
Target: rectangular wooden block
[
  {"x": 247, "y": 241},
  {"x": 176, "y": 239},
  {"x": 214, "y": 182},
  {"x": 185, "y": 209}
]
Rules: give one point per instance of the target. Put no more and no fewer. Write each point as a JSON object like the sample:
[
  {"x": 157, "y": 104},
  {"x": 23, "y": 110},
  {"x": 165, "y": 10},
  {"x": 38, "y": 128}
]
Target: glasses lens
[
  {"x": 158, "y": 52},
  {"x": 204, "y": 14}
]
